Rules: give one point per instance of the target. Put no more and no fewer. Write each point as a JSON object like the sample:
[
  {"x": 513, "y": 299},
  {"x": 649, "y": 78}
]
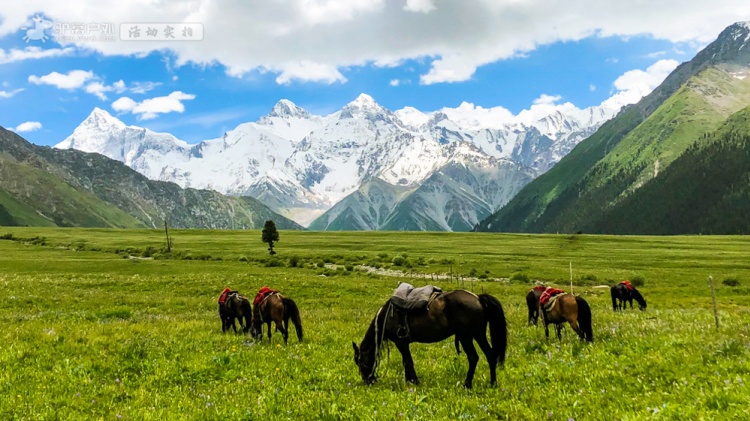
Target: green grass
[{"x": 88, "y": 334}]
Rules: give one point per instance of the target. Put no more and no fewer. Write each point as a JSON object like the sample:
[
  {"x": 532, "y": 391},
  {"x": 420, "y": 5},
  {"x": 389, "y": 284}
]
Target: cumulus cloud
[
  {"x": 313, "y": 40},
  {"x": 71, "y": 80},
  {"x": 635, "y": 84},
  {"x": 152, "y": 107},
  {"x": 31, "y": 53},
  {"x": 28, "y": 126},
  {"x": 394, "y": 82},
  {"x": 98, "y": 88}
]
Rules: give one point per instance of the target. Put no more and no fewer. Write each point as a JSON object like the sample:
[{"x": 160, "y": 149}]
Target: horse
[
  {"x": 532, "y": 302},
  {"x": 620, "y": 294},
  {"x": 277, "y": 309},
  {"x": 459, "y": 313},
  {"x": 573, "y": 309},
  {"x": 235, "y": 306}
]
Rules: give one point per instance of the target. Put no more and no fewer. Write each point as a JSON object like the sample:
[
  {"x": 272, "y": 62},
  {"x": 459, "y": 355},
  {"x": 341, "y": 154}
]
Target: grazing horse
[
  {"x": 573, "y": 309},
  {"x": 459, "y": 313},
  {"x": 532, "y": 302},
  {"x": 277, "y": 309},
  {"x": 621, "y": 293},
  {"x": 238, "y": 307}
]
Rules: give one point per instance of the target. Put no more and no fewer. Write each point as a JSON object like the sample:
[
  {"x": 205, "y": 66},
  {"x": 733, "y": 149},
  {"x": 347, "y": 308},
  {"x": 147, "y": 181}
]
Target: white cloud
[
  {"x": 313, "y": 40},
  {"x": 394, "y": 82},
  {"x": 656, "y": 54},
  {"x": 31, "y": 53},
  {"x": 98, "y": 88},
  {"x": 152, "y": 107},
  {"x": 629, "y": 88},
  {"x": 9, "y": 94},
  {"x": 592, "y": 87},
  {"x": 28, "y": 126},
  {"x": 143, "y": 87},
  {"x": 71, "y": 80},
  {"x": 421, "y": 6},
  {"x": 635, "y": 84}
]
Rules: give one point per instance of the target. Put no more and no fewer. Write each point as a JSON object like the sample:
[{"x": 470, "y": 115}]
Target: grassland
[{"x": 102, "y": 324}]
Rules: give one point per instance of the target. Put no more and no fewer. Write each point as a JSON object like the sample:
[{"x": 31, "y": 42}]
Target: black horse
[
  {"x": 621, "y": 293},
  {"x": 459, "y": 313},
  {"x": 532, "y": 302},
  {"x": 235, "y": 307}
]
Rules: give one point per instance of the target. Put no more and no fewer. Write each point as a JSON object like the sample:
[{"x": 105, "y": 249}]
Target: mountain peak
[
  {"x": 101, "y": 118},
  {"x": 364, "y": 101},
  {"x": 286, "y": 108},
  {"x": 364, "y": 106}
]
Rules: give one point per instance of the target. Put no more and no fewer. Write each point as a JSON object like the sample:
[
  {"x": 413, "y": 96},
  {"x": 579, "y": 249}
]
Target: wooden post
[
  {"x": 166, "y": 231},
  {"x": 713, "y": 298},
  {"x": 451, "y": 272},
  {"x": 571, "y": 277}
]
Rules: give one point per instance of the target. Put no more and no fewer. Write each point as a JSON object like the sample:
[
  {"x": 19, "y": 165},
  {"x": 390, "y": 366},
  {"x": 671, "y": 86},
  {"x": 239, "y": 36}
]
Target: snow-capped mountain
[{"x": 302, "y": 165}]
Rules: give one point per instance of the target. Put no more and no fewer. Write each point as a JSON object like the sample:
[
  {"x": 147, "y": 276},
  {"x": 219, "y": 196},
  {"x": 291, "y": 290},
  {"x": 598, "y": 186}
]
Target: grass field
[{"x": 102, "y": 324}]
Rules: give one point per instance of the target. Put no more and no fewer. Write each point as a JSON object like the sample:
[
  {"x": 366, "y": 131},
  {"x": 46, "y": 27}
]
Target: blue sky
[{"x": 197, "y": 90}]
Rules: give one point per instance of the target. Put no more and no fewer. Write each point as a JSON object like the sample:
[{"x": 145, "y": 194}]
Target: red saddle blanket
[
  {"x": 539, "y": 288},
  {"x": 224, "y": 294},
  {"x": 627, "y": 285},
  {"x": 262, "y": 293},
  {"x": 549, "y": 293}
]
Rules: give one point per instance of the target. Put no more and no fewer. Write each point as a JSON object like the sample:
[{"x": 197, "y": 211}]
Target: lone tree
[{"x": 270, "y": 235}]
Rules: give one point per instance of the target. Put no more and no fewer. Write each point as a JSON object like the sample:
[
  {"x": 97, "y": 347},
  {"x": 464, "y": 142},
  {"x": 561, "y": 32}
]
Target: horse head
[
  {"x": 366, "y": 364},
  {"x": 639, "y": 298}
]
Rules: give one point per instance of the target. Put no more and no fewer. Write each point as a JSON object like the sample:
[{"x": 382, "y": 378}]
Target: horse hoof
[{"x": 467, "y": 386}]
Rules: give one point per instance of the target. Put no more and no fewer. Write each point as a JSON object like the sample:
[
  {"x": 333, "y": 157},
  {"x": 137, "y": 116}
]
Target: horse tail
[
  {"x": 613, "y": 292},
  {"x": 584, "y": 319},
  {"x": 247, "y": 313},
  {"x": 291, "y": 311},
  {"x": 498, "y": 326}
]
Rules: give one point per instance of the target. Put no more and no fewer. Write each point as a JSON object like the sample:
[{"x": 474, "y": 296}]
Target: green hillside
[
  {"x": 642, "y": 141},
  {"x": 705, "y": 191},
  {"x": 41, "y": 186}
]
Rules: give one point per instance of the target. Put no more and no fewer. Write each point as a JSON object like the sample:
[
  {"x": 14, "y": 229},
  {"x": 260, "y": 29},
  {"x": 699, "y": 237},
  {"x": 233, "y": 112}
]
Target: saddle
[
  {"x": 409, "y": 300},
  {"x": 548, "y": 297},
  {"x": 262, "y": 294},
  {"x": 628, "y": 285},
  {"x": 225, "y": 293}
]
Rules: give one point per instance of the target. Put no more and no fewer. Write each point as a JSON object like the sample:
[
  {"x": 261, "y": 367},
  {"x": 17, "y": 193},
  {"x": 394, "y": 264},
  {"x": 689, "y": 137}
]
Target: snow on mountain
[{"x": 301, "y": 165}]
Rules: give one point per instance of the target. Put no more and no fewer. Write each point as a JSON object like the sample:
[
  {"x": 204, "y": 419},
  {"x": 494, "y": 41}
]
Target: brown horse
[
  {"x": 532, "y": 302},
  {"x": 573, "y": 309},
  {"x": 459, "y": 313},
  {"x": 277, "y": 309},
  {"x": 237, "y": 307}
]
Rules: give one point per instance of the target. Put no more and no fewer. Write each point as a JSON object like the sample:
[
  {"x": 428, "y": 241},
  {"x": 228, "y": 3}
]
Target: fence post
[{"x": 713, "y": 298}]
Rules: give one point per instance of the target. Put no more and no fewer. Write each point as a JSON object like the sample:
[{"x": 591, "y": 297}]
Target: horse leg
[
  {"x": 576, "y": 328},
  {"x": 489, "y": 353},
  {"x": 409, "y": 373},
  {"x": 284, "y": 333},
  {"x": 269, "y": 331},
  {"x": 458, "y": 346},
  {"x": 558, "y": 331},
  {"x": 471, "y": 354},
  {"x": 546, "y": 326}
]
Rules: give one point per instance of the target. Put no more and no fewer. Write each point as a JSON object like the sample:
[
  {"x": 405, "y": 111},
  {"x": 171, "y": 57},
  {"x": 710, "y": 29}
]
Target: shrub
[
  {"x": 731, "y": 282},
  {"x": 519, "y": 277},
  {"x": 383, "y": 256},
  {"x": 274, "y": 263},
  {"x": 148, "y": 252},
  {"x": 588, "y": 279},
  {"x": 637, "y": 281},
  {"x": 349, "y": 268},
  {"x": 321, "y": 264},
  {"x": 8, "y": 236},
  {"x": 293, "y": 261},
  {"x": 473, "y": 272},
  {"x": 243, "y": 259},
  {"x": 398, "y": 261}
]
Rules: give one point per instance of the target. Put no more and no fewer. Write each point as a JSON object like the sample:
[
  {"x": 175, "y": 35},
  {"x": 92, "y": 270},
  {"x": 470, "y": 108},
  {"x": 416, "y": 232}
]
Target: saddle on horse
[
  {"x": 263, "y": 293},
  {"x": 628, "y": 285},
  {"x": 548, "y": 297},
  {"x": 407, "y": 300}
]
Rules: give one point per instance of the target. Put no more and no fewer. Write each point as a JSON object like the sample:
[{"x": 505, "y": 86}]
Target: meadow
[{"x": 105, "y": 324}]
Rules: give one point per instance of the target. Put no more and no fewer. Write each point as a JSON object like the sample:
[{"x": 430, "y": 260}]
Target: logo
[{"x": 37, "y": 32}]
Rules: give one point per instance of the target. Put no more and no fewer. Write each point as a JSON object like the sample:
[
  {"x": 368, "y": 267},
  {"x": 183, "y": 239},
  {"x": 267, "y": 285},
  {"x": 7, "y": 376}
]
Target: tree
[{"x": 270, "y": 235}]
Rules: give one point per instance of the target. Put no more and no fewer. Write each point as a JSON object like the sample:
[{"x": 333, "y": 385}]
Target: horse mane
[{"x": 376, "y": 335}]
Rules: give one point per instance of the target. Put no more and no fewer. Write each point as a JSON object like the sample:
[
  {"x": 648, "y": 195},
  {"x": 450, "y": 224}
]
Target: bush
[
  {"x": 731, "y": 282},
  {"x": 274, "y": 263},
  {"x": 243, "y": 259},
  {"x": 383, "y": 256},
  {"x": 293, "y": 261},
  {"x": 349, "y": 268},
  {"x": 637, "y": 281},
  {"x": 588, "y": 279},
  {"x": 321, "y": 264},
  {"x": 398, "y": 261},
  {"x": 149, "y": 252},
  {"x": 519, "y": 277},
  {"x": 8, "y": 236}
]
